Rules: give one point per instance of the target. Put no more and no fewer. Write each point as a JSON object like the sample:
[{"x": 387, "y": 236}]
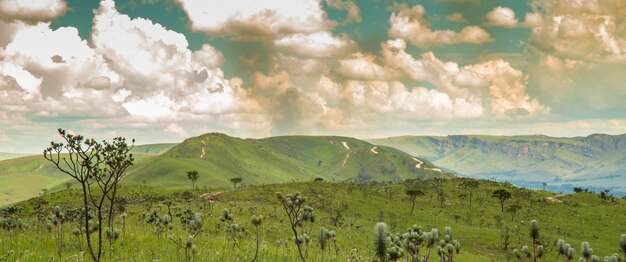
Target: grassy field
[{"x": 479, "y": 227}]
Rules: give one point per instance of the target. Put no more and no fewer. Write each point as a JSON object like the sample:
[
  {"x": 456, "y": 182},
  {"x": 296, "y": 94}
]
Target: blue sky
[{"x": 164, "y": 70}]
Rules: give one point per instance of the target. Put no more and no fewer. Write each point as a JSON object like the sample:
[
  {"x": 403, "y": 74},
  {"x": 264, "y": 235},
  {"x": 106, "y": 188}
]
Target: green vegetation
[
  {"x": 219, "y": 158},
  {"x": 199, "y": 229},
  {"x": 279, "y": 159},
  {"x": 5, "y": 156},
  {"x": 597, "y": 160}
]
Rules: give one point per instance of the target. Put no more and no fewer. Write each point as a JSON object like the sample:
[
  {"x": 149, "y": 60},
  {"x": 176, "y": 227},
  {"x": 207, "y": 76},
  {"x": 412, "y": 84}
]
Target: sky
[{"x": 165, "y": 70}]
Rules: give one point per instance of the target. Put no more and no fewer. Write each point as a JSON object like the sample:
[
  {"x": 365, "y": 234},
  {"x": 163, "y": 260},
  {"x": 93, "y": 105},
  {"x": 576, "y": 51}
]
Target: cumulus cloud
[
  {"x": 321, "y": 44},
  {"x": 32, "y": 10},
  {"x": 364, "y": 67},
  {"x": 592, "y": 30},
  {"x": 502, "y": 16},
  {"x": 162, "y": 76},
  {"x": 500, "y": 87},
  {"x": 133, "y": 70},
  {"x": 410, "y": 24},
  {"x": 245, "y": 19}
]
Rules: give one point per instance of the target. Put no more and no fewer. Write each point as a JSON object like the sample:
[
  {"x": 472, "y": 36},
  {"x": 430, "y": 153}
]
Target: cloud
[
  {"x": 456, "y": 18},
  {"x": 32, "y": 10},
  {"x": 321, "y": 44},
  {"x": 592, "y": 30},
  {"x": 502, "y": 16},
  {"x": 176, "y": 129},
  {"x": 244, "y": 19},
  {"x": 500, "y": 87},
  {"x": 354, "y": 13},
  {"x": 162, "y": 76},
  {"x": 364, "y": 67},
  {"x": 410, "y": 24}
]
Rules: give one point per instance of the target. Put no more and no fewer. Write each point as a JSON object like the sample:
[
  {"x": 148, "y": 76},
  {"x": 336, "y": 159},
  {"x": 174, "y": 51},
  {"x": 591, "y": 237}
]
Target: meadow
[{"x": 485, "y": 230}]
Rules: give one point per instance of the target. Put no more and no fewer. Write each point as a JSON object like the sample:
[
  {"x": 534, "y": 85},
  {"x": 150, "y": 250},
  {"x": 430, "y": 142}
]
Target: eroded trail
[
  {"x": 373, "y": 149},
  {"x": 419, "y": 162}
]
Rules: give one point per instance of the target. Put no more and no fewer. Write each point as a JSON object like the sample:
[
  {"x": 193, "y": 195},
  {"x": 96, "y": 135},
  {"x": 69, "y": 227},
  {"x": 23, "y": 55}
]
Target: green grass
[
  {"x": 25, "y": 177},
  {"x": 580, "y": 217},
  {"x": 256, "y": 161},
  {"x": 218, "y": 157}
]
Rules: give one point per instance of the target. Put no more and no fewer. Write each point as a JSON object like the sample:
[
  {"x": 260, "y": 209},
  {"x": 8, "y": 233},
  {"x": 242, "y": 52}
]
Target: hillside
[
  {"x": 5, "y": 156},
  {"x": 597, "y": 160},
  {"x": 349, "y": 209},
  {"x": 25, "y": 177},
  {"x": 218, "y": 157}
]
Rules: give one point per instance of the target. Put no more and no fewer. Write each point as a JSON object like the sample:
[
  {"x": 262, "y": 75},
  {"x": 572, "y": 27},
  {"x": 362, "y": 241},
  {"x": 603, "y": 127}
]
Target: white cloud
[
  {"x": 32, "y": 10},
  {"x": 500, "y": 87},
  {"x": 410, "y": 24},
  {"x": 321, "y": 44},
  {"x": 162, "y": 75},
  {"x": 593, "y": 30},
  {"x": 364, "y": 67},
  {"x": 176, "y": 129},
  {"x": 502, "y": 16},
  {"x": 256, "y": 19}
]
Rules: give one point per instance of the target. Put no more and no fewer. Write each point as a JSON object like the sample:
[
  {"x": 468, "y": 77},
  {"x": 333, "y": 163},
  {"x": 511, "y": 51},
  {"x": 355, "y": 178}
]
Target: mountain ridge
[{"x": 594, "y": 160}]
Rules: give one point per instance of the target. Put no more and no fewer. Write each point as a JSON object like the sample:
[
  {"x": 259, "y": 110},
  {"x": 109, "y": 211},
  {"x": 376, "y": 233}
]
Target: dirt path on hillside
[
  {"x": 419, "y": 162},
  {"x": 373, "y": 149}
]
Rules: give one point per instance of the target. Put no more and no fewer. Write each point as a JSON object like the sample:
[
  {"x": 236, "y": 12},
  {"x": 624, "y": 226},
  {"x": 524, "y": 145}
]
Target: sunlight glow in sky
[{"x": 164, "y": 70}]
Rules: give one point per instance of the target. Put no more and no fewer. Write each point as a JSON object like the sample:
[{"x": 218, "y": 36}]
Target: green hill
[
  {"x": 153, "y": 149},
  {"x": 594, "y": 161},
  {"x": 218, "y": 157},
  {"x": 5, "y": 156}
]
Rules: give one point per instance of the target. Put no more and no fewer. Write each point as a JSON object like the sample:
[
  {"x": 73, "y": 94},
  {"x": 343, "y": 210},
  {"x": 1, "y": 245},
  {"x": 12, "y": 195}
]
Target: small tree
[
  {"x": 470, "y": 185},
  {"x": 502, "y": 195},
  {"x": 513, "y": 209},
  {"x": 193, "y": 176},
  {"x": 412, "y": 194},
  {"x": 298, "y": 213},
  {"x": 235, "y": 181},
  {"x": 92, "y": 163}
]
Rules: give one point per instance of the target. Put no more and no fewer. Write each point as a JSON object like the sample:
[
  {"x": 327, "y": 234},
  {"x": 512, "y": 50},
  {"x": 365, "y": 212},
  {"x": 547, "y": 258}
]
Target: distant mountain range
[
  {"x": 596, "y": 161},
  {"x": 219, "y": 157}
]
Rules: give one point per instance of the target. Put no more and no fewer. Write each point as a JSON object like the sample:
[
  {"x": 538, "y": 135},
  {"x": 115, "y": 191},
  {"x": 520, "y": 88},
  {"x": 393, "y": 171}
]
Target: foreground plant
[
  {"x": 98, "y": 168},
  {"x": 297, "y": 213},
  {"x": 256, "y": 221}
]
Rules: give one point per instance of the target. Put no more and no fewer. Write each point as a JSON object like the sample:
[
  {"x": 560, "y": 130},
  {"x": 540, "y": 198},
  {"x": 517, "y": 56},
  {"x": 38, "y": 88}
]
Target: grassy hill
[
  {"x": 218, "y": 157},
  {"x": 5, "y": 156},
  {"x": 349, "y": 209},
  {"x": 24, "y": 177},
  {"x": 597, "y": 160},
  {"x": 153, "y": 149}
]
